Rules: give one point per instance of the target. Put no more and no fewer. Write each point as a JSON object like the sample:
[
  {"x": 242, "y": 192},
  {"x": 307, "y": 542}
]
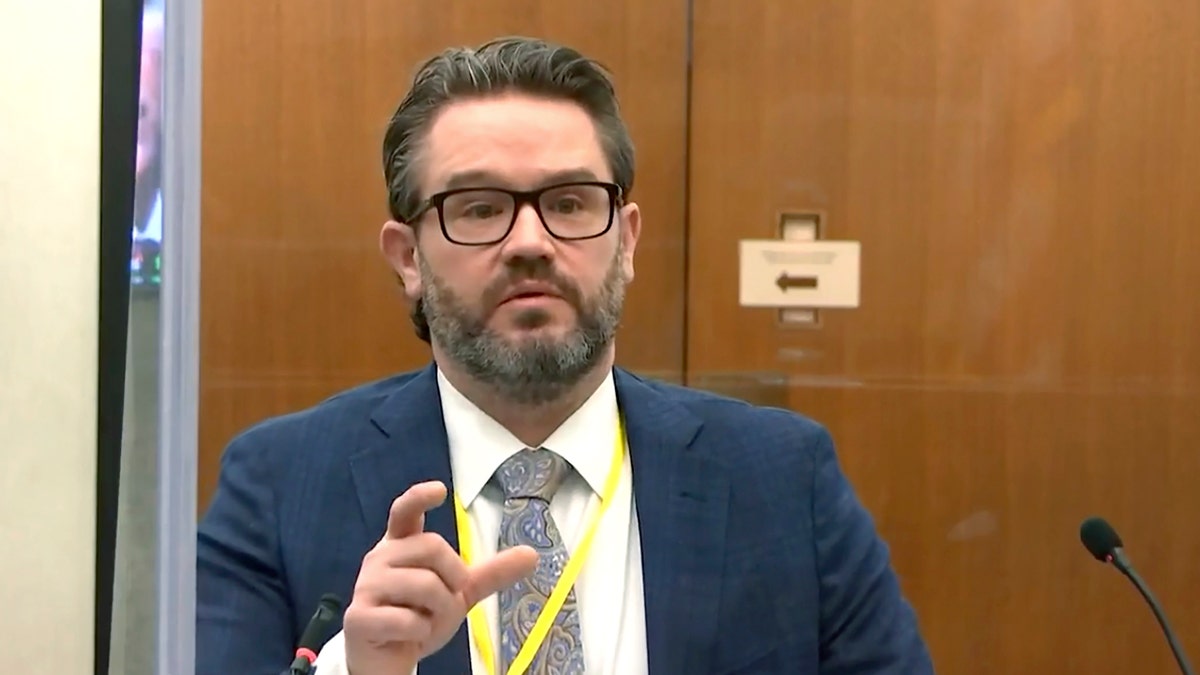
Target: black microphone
[
  {"x": 314, "y": 634},
  {"x": 1103, "y": 542}
]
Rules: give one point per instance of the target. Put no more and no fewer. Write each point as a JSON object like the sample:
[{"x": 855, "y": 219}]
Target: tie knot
[{"x": 532, "y": 474}]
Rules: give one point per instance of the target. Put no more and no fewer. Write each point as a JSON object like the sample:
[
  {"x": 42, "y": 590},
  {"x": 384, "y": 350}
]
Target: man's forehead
[{"x": 516, "y": 138}]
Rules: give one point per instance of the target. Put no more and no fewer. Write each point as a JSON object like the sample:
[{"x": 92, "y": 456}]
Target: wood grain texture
[{"x": 1021, "y": 176}]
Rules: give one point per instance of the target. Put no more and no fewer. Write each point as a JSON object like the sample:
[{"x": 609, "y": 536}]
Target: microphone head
[
  {"x": 1100, "y": 539},
  {"x": 328, "y": 608},
  {"x": 331, "y": 602}
]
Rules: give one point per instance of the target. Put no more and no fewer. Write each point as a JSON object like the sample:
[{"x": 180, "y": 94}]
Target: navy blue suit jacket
[{"x": 757, "y": 556}]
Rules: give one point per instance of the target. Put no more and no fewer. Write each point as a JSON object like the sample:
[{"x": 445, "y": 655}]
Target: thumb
[{"x": 504, "y": 570}]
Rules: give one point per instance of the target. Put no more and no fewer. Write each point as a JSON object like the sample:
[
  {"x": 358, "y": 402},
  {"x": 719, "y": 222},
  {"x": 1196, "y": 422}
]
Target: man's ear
[
  {"x": 631, "y": 229},
  {"x": 398, "y": 243}
]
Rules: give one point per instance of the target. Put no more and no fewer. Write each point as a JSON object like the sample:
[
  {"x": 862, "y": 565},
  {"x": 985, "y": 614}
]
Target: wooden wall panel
[
  {"x": 296, "y": 301},
  {"x": 1022, "y": 178},
  {"x": 1020, "y": 175}
]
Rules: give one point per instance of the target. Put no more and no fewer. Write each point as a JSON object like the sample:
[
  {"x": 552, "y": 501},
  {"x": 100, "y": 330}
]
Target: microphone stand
[{"x": 1121, "y": 562}]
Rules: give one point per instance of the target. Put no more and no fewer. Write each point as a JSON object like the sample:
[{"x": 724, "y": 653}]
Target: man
[{"x": 641, "y": 528}]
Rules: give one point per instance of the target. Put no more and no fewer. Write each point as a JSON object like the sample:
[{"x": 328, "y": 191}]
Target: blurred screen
[{"x": 146, "y": 258}]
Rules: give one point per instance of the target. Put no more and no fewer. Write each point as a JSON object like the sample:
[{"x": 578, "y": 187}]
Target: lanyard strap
[{"x": 476, "y": 618}]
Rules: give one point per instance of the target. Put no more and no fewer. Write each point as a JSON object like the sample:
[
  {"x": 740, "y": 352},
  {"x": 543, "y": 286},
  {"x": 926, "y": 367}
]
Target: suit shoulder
[
  {"x": 728, "y": 415},
  {"x": 309, "y": 427}
]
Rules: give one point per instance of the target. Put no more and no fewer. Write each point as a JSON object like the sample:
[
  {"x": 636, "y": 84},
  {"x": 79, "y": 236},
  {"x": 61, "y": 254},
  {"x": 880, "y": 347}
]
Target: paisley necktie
[{"x": 529, "y": 479}]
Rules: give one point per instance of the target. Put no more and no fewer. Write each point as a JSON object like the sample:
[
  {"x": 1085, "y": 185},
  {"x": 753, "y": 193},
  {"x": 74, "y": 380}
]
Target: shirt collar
[{"x": 479, "y": 444}]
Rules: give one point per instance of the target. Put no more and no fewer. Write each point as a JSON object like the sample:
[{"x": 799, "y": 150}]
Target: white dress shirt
[{"x": 609, "y": 587}]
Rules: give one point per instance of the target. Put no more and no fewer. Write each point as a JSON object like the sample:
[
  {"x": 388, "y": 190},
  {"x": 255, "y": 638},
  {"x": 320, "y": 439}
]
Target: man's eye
[{"x": 567, "y": 205}]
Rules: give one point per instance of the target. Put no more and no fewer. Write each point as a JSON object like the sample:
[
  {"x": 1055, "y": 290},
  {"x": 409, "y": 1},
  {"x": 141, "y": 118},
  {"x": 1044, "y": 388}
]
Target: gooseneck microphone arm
[
  {"x": 1103, "y": 542},
  {"x": 1121, "y": 562}
]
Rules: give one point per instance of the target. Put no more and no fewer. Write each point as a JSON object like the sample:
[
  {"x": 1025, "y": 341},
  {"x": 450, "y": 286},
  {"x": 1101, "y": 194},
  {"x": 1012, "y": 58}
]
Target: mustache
[{"x": 538, "y": 270}]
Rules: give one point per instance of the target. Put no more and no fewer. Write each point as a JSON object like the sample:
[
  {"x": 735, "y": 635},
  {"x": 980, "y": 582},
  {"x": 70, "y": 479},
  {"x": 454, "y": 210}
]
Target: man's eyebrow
[{"x": 480, "y": 178}]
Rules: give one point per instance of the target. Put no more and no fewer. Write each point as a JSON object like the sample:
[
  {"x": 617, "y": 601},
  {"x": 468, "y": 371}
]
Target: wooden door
[
  {"x": 296, "y": 302},
  {"x": 1022, "y": 178}
]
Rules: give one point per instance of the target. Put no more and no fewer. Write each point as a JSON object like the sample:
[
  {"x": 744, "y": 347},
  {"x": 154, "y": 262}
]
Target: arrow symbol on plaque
[{"x": 784, "y": 282}]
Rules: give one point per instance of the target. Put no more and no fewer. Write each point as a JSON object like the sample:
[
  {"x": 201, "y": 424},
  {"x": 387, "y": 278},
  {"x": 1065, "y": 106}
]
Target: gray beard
[{"x": 531, "y": 371}]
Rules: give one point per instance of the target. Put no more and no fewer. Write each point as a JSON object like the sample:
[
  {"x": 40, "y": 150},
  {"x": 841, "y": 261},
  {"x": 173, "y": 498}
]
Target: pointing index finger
[{"x": 407, "y": 515}]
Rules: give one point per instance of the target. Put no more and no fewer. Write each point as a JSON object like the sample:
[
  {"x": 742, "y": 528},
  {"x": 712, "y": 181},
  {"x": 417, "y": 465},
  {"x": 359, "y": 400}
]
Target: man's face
[{"x": 530, "y": 314}]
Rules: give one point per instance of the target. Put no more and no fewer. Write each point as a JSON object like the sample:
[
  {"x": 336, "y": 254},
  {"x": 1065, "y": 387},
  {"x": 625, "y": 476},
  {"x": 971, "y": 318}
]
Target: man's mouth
[{"x": 529, "y": 291}]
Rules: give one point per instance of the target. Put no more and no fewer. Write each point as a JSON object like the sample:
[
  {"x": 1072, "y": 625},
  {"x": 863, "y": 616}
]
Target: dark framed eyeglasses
[{"x": 485, "y": 215}]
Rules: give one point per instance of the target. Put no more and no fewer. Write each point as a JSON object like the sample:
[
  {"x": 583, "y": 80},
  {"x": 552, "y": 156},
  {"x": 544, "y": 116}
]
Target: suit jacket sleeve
[
  {"x": 243, "y": 617},
  {"x": 867, "y": 627}
]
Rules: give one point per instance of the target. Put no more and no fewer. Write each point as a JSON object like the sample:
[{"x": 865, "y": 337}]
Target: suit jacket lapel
[
  {"x": 681, "y": 496},
  {"x": 411, "y": 448}
]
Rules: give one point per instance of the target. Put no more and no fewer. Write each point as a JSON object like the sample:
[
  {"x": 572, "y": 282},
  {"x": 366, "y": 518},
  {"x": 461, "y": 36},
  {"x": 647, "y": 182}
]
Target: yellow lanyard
[{"x": 476, "y": 618}]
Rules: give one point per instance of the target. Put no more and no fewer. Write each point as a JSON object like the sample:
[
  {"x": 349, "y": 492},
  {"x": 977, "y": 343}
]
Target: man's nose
[{"x": 528, "y": 237}]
